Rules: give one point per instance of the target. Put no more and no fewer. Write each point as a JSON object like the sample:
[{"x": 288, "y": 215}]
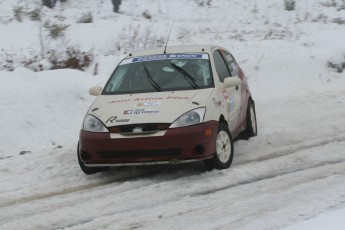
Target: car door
[
  {"x": 235, "y": 70},
  {"x": 232, "y": 95}
]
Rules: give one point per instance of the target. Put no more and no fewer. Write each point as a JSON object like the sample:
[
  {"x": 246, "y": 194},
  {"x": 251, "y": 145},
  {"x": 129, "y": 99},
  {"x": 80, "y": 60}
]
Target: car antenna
[{"x": 166, "y": 44}]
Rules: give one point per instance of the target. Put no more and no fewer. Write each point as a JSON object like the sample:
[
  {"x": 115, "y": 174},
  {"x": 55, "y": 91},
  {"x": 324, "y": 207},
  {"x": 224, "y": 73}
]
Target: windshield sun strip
[{"x": 199, "y": 56}]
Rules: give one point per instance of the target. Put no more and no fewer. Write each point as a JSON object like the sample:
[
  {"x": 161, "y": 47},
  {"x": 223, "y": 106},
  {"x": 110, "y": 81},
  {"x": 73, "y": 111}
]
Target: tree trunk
[
  {"x": 49, "y": 3},
  {"x": 116, "y": 4},
  {"x": 289, "y": 4}
]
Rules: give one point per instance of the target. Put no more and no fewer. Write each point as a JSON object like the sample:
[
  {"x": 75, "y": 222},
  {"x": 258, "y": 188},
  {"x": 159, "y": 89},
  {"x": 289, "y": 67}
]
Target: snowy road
[{"x": 265, "y": 188}]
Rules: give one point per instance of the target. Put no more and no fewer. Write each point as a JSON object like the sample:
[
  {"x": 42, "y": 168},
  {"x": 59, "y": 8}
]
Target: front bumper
[{"x": 178, "y": 145}]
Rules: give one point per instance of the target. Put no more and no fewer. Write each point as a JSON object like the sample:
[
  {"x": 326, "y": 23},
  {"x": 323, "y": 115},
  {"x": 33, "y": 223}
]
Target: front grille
[
  {"x": 150, "y": 153},
  {"x": 148, "y": 127}
]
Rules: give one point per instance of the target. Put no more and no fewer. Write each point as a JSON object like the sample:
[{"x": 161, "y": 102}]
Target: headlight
[
  {"x": 190, "y": 118},
  {"x": 92, "y": 124}
]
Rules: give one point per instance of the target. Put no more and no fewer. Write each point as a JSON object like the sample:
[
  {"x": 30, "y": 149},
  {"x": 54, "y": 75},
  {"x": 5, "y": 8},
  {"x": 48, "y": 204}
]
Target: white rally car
[{"x": 173, "y": 105}]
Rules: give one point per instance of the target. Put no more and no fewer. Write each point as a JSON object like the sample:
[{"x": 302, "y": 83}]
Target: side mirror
[
  {"x": 231, "y": 82},
  {"x": 95, "y": 90}
]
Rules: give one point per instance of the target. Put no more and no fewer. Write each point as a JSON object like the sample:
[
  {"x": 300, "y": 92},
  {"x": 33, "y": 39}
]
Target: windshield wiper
[
  {"x": 152, "y": 82},
  {"x": 189, "y": 78}
]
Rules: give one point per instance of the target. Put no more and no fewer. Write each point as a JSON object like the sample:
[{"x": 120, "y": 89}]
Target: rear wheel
[
  {"x": 251, "y": 129},
  {"x": 224, "y": 149},
  {"x": 89, "y": 170}
]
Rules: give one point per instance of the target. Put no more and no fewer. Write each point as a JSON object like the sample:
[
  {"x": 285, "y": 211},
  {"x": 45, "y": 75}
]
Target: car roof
[{"x": 175, "y": 49}]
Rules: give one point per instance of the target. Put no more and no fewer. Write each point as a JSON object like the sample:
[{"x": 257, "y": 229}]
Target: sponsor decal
[
  {"x": 226, "y": 96},
  {"x": 176, "y": 98},
  {"x": 122, "y": 120},
  {"x": 231, "y": 104},
  {"x": 148, "y": 103},
  {"x": 111, "y": 119},
  {"x": 229, "y": 108},
  {"x": 141, "y": 111},
  {"x": 128, "y": 111},
  {"x": 170, "y": 56},
  {"x": 114, "y": 119},
  {"x": 186, "y": 56},
  {"x": 160, "y": 98},
  {"x": 165, "y": 56},
  {"x": 119, "y": 101},
  {"x": 150, "y": 58},
  {"x": 147, "y": 99},
  {"x": 216, "y": 103},
  {"x": 145, "y": 111}
]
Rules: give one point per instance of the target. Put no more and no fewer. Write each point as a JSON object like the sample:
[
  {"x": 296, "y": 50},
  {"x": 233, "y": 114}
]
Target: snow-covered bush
[
  {"x": 289, "y": 4},
  {"x": 35, "y": 14},
  {"x": 71, "y": 58},
  {"x": 86, "y": 18},
  {"x": 338, "y": 67},
  {"x": 202, "y": 3},
  {"x": 320, "y": 18},
  {"x": 55, "y": 30},
  {"x": 8, "y": 62},
  {"x": 331, "y": 3},
  {"x": 147, "y": 15},
  {"x": 339, "y": 21},
  {"x": 18, "y": 13},
  {"x": 341, "y": 6}
]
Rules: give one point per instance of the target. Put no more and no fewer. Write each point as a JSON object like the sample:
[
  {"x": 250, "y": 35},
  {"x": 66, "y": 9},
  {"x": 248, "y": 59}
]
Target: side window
[
  {"x": 221, "y": 68},
  {"x": 231, "y": 63}
]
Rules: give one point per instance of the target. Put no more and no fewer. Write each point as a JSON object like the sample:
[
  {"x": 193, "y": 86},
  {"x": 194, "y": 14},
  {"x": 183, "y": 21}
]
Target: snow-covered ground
[{"x": 291, "y": 176}]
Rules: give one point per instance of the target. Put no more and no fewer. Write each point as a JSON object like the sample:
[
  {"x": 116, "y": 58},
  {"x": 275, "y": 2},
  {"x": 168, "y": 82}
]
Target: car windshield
[{"x": 164, "y": 72}]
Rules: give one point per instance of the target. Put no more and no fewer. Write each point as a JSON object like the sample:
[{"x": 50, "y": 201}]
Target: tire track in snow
[
  {"x": 138, "y": 181},
  {"x": 75, "y": 189},
  {"x": 297, "y": 148},
  {"x": 292, "y": 148},
  {"x": 266, "y": 177},
  {"x": 39, "y": 208}
]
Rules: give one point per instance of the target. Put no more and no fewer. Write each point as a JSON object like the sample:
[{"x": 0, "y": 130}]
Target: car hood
[{"x": 158, "y": 107}]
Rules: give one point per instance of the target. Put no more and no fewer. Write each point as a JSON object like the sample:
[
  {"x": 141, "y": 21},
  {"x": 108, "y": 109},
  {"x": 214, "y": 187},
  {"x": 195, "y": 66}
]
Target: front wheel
[
  {"x": 224, "y": 149},
  {"x": 89, "y": 170}
]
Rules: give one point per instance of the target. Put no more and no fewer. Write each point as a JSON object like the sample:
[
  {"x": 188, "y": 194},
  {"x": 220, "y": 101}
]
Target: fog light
[
  {"x": 198, "y": 149},
  {"x": 85, "y": 156}
]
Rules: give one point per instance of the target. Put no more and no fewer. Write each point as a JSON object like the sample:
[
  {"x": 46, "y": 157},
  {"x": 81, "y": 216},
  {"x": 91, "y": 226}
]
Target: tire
[
  {"x": 222, "y": 159},
  {"x": 89, "y": 170},
  {"x": 251, "y": 125}
]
